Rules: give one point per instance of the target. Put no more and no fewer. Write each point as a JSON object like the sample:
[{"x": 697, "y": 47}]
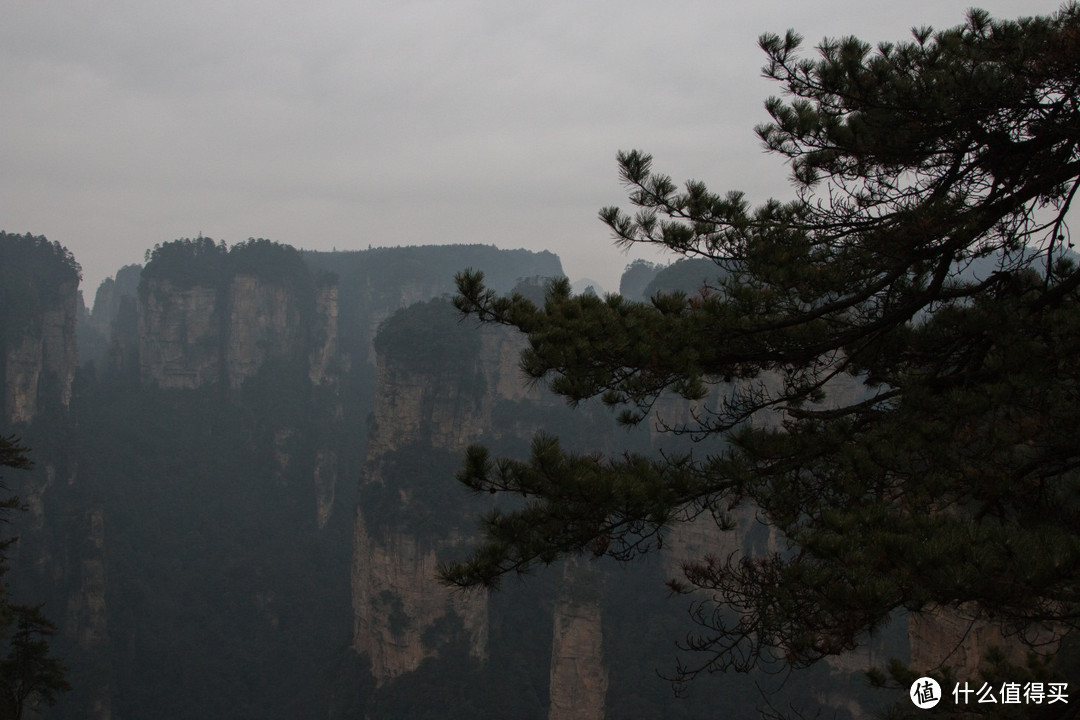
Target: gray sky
[{"x": 345, "y": 124}]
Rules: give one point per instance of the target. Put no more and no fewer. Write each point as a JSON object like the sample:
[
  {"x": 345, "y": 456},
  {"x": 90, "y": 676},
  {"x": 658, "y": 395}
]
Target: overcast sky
[{"x": 340, "y": 124}]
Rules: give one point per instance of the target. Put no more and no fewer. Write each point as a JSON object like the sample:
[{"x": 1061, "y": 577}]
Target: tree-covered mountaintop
[
  {"x": 34, "y": 274},
  {"x": 687, "y": 275},
  {"x": 51, "y": 259},
  {"x": 426, "y": 336},
  {"x": 187, "y": 262},
  {"x": 203, "y": 261}
]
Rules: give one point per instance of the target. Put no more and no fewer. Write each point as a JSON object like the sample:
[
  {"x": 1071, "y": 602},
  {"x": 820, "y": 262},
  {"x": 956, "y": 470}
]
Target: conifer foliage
[
  {"x": 923, "y": 261},
  {"x": 29, "y": 676}
]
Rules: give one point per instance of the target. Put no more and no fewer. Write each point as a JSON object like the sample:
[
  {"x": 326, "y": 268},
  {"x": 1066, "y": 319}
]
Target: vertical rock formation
[
  {"x": 398, "y": 602},
  {"x": 210, "y": 517},
  {"x": 60, "y": 557},
  {"x": 377, "y": 282},
  {"x": 324, "y": 335},
  {"x": 221, "y": 321},
  {"x": 432, "y": 399},
  {"x": 263, "y": 322},
  {"x": 108, "y": 339},
  {"x": 42, "y": 360},
  {"x": 325, "y": 476},
  {"x": 87, "y": 616},
  {"x": 38, "y": 307},
  {"x": 194, "y": 336},
  {"x": 442, "y": 386},
  {"x": 955, "y": 637},
  {"x": 179, "y": 335},
  {"x": 579, "y": 674}
]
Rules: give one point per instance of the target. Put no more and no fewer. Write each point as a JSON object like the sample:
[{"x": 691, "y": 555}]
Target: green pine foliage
[{"x": 906, "y": 419}]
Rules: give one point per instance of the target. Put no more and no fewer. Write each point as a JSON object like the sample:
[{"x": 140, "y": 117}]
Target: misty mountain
[{"x": 245, "y": 480}]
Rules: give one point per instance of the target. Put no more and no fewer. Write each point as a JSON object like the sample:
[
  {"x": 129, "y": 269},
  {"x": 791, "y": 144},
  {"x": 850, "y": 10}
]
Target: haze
[{"x": 348, "y": 124}]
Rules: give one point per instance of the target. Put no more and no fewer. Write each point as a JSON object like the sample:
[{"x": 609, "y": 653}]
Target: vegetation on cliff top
[
  {"x": 951, "y": 481},
  {"x": 428, "y": 337},
  {"x": 35, "y": 275},
  {"x": 208, "y": 263}
]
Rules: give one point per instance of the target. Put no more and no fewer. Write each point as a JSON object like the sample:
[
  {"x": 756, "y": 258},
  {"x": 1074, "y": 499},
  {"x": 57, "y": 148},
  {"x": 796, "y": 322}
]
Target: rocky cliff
[
  {"x": 41, "y": 360},
  {"x": 579, "y": 672},
  {"x": 59, "y": 559},
  {"x": 324, "y": 357},
  {"x": 397, "y": 603},
  {"x": 375, "y": 283},
  {"x": 432, "y": 399},
  {"x": 956, "y": 637},
  {"x": 218, "y": 436},
  {"x": 179, "y": 335},
  {"x": 190, "y": 337},
  {"x": 441, "y": 386},
  {"x": 108, "y": 335},
  {"x": 38, "y": 308}
]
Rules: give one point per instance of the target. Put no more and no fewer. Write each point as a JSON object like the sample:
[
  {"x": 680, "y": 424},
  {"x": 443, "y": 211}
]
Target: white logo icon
[{"x": 925, "y": 693}]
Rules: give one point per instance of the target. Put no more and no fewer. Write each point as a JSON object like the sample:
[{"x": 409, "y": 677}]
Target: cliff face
[
  {"x": 197, "y": 497},
  {"x": 107, "y": 337},
  {"x": 195, "y": 336},
  {"x": 263, "y": 321},
  {"x": 87, "y": 617},
  {"x": 435, "y": 411},
  {"x": 954, "y": 637},
  {"x": 39, "y": 304},
  {"x": 179, "y": 335},
  {"x": 58, "y": 560},
  {"x": 324, "y": 354},
  {"x": 442, "y": 386},
  {"x": 40, "y": 358},
  {"x": 579, "y": 673},
  {"x": 397, "y": 603}
]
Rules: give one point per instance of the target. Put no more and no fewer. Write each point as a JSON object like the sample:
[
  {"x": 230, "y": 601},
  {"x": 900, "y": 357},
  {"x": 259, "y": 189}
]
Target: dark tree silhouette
[
  {"x": 923, "y": 262},
  {"x": 29, "y": 676}
]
